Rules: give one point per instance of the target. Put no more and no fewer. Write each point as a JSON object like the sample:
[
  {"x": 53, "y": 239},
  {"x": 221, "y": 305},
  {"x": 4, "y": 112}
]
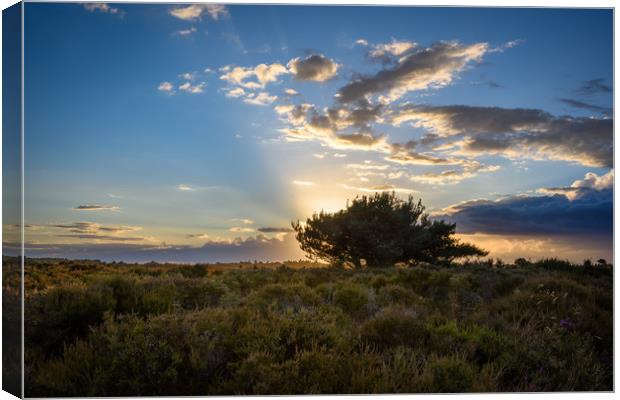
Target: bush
[
  {"x": 352, "y": 299},
  {"x": 394, "y": 327}
]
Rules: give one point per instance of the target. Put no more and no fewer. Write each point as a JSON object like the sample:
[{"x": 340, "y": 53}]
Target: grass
[{"x": 113, "y": 329}]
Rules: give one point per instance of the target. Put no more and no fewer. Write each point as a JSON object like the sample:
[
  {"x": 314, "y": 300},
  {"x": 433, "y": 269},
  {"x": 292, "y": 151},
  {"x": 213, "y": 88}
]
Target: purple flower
[{"x": 567, "y": 324}]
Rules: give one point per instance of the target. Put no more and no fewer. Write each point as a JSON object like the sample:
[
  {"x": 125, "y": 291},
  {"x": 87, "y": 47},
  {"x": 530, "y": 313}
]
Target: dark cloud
[
  {"x": 494, "y": 84},
  {"x": 590, "y": 214},
  {"x": 433, "y": 66},
  {"x": 518, "y": 132},
  {"x": 274, "y": 230},
  {"x": 316, "y": 67},
  {"x": 92, "y": 227},
  {"x": 103, "y": 237},
  {"x": 593, "y": 86},
  {"x": 586, "y": 106},
  {"x": 95, "y": 207},
  {"x": 259, "y": 247}
]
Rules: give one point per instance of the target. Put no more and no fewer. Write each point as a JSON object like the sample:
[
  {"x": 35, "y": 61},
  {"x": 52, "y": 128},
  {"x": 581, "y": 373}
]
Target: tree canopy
[{"x": 381, "y": 230}]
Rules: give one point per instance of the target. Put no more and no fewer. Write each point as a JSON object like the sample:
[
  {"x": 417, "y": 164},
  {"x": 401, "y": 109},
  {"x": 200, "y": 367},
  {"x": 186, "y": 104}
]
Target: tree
[{"x": 380, "y": 230}]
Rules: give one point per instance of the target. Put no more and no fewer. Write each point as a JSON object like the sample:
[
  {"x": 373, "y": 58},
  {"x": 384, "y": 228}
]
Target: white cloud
[
  {"x": 261, "y": 99},
  {"x": 101, "y": 7},
  {"x": 235, "y": 92},
  {"x": 185, "y": 188},
  {"x": 394, "y": 48},
  {"x": 194, "y": 89},
  {"x": 368, "y": 165},
  {"x": 578, "y": 188},
  {"x": 245, "y": 221},
  {"x": 165, "y": 87},
  {"x": 195, "y": 11},
  {"x": 262, "y": 73},
  {"x": 470, "y": 169},
  {"x": 188, "y": 76},
  {"x": 303, "y": 183},
  {"x": 185, "y": 32}
]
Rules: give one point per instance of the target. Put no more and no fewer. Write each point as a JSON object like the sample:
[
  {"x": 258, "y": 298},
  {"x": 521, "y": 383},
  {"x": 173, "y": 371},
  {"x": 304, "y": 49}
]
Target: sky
[{"x": 197, "y": 133}]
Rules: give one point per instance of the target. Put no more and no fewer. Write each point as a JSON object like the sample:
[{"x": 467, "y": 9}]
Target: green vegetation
[
  {"x": 379, "y": 231},
  {"x": 114, "y": 329}
]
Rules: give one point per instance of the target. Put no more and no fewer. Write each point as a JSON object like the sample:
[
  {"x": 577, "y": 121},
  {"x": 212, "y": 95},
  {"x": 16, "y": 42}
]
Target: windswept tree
[{"x": 381, "y": 230}]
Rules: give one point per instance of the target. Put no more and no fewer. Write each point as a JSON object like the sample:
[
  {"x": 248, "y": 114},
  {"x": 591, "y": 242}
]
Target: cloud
[
  {"x": 235, "y": 92},
  {"x": 303, "y": 183},
  {"x": 244, "y": 81},
  {"x": 583, "y": 187},
  {"x": 275, "y": 230},
  {"x": 368, "y": 165},
  {"x": 185, "y": 32},
  {"x": 188, "y": 76},
  {"x": 241, "y": 229},
  {"x": 290, "y": 92},
  {"x": 185, "y": 188},
  {"x": 511, "y": 247},
  {"x": 308, "y": 124},
  {"x": 102, "y": 7},
  {"x": 253, "y": 77},
  {"x": 389, "y": 52},
  {"x": 95, "y": 231},
  {"x": 260, "y": 99},
  {"x": 108, "y": 238},
  {"x": 587, "y": 106},
  {"x": 470, "y": 169},
  {"x": 362, "y": 42},
  {"x": 315, "y": 67},
  {"x": 588, "y": 215},
  {"x": 244, "y": 221},
  {"x": 435, "y": 66},
  {"x": 508, "y": 45},
  {"x": 92, "y": 227},
  {"x": 96, "y": 207},
  {"x": 593, "y": 86},
  {"x": 193, "y": 89},
  {"x": 195, "y": 11},
  {"x": 410, "y": 157},
  {"x": 165, "y": 87},
  {"x": 202, "y": 236},
  {"x": 216, "y": 11},
  {"x": 380, "y": 188},
  {"x": 516, "y": 133},
  {"x": 259, "y": 247}
]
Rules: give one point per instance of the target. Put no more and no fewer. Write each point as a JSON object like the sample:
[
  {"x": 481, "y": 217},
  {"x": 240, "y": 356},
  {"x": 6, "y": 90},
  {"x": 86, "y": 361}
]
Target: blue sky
[{"x": 170, "y": 132}]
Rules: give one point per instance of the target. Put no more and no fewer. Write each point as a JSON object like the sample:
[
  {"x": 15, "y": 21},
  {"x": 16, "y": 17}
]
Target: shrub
[
  {"x": 352, "y": 299},
  {"x": 450, "y": 375},
  {"x": 394, "y": 327}
]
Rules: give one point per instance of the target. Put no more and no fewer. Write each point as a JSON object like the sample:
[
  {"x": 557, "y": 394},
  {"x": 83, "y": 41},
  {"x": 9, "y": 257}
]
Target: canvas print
[{"x": 219, "y": 199}]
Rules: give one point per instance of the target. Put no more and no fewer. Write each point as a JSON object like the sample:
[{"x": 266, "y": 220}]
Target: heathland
[{"x": 117, "y": 329}]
